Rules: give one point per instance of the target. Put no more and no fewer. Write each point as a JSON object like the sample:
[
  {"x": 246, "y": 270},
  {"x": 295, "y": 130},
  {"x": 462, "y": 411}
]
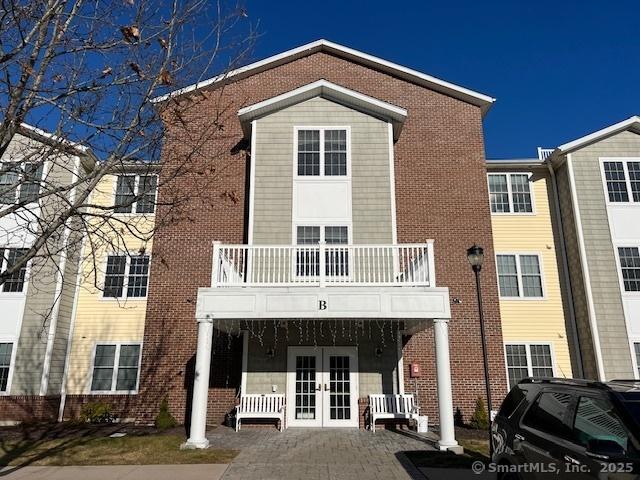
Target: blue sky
[{"x": 559, "y": 69}]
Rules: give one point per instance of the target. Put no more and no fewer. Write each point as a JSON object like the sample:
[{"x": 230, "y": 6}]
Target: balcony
[{"x": 323, "y": 265}]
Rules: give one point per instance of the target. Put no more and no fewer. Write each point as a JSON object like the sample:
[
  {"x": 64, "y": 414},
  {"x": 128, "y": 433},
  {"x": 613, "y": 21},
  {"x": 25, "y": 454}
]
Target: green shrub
[
  {"x": 164, "y": 419},
  {"x": 97, "y": 412},
  {"x": 480, "y": 417}
]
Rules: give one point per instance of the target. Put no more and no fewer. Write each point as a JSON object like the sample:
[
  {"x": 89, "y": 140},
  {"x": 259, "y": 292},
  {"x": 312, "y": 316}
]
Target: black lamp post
[{"x": 475, "y": 255}]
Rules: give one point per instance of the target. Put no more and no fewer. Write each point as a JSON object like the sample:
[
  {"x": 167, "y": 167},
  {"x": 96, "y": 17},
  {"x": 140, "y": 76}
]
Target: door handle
[
  {"x": 571, "y": 460},
  {"x": 519, "y": 437},
  {"x": 326, "y": 387},
  {"x": 319, "y": 387}
]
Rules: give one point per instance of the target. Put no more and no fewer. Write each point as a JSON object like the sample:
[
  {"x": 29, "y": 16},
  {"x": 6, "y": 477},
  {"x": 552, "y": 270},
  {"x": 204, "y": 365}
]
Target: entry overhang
[{"x": 323, "y": 302}]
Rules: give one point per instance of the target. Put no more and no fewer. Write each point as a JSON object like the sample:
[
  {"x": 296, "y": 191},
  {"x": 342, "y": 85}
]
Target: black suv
[{"x": 560, "y": 428}]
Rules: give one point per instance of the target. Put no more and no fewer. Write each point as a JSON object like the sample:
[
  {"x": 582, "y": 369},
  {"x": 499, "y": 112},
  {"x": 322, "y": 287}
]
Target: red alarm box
[{"x": 414, "y": 371}]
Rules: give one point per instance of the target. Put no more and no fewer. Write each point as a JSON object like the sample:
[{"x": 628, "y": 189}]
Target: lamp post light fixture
[{"x": 475, "y": 255}]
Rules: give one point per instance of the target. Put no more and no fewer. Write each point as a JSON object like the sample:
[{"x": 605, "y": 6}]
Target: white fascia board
[
  {"x": 327, "y": 90},
  {"x": 605, "y": 132},
  {"x": 456, "y": 91}
]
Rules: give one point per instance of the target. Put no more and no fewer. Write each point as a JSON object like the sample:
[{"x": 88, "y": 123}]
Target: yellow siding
[
  {"x": 98, "y": 319},
  {"x": 534, "y": 320}
]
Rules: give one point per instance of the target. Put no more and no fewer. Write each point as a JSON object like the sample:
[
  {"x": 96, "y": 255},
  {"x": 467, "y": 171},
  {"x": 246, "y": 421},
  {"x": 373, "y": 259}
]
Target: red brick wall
[
  {"x": 441, "y": 193},
  {"x": 29, "y": 408}
]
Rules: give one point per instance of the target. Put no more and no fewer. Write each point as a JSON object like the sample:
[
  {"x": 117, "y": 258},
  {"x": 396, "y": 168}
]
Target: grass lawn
[{"x": 127, "y": 450}]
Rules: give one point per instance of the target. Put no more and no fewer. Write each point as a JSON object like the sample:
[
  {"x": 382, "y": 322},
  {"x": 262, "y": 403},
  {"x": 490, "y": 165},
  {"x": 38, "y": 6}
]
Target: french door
[{"x": 322, "y": 387}]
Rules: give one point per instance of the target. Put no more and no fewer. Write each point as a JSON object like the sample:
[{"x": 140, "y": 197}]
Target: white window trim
[
  {"x": 116, "y": 366},
  {"x": 12, "y": 362},
  {"x": 45, "y": 172},
  {"x": 136, "y": 185},
  {"x": 627, "y": 179},
  {"x": 126, "y": 276},
  {"x": 510, "y": 194},
  {"x": 616, "y": 254},
  {"x": 322, "y": 129},
  {"x": 25, "y": 284},
  {"x": 527, "y": 344},
  {"x": 521, "y": 296}
]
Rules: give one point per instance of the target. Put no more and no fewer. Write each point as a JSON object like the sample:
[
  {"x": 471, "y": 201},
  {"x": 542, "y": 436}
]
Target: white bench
[
  {"x": 391, "y": 407},
  {"x": 261, "y": 406}
]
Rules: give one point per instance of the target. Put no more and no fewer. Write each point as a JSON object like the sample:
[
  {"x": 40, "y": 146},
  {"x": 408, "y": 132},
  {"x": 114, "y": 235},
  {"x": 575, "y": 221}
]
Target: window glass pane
[
  {"x": 125, "y": 193},
  {"x": 114, "y": 277},
  {"x": 5, "y": 364},
  {"x": 15, "y": 282},
  {"x": 309, "y": 152},
  {"x": 541, "y": 365},
  {"x": 30, "y": 186},
  {"x": 636, "y": 346},
  {"x": 521, "y": 194},
  {"x": 147, "y": 186},
  {"x": 499, "y": 194},
  {"x": 634, "y": 176},
  {"x": 308, "y": 260},
  {"x": 138, "y": 276},
  {"x": 616, "y": 184},
  {"x": 336, "y": 258},
  {"x": 335, "y": 152},
  {"x": 548, "y": 413},
  {"x": 516, "y": 363},
  {"x": 8, "y": 183},
  {"x": 596, "y": 420},
  {"x": 531, "y": 277},
  {"x": 630, "y": 265},
  {"x": 128, "y": 367},
  {"x": 103, "y": 367},
  {"x": 508, "y": 276}
]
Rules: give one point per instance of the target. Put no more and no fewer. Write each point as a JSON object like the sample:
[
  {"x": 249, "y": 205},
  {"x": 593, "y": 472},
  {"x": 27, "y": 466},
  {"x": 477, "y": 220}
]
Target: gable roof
[
  {"x": 330, "y": 91},
  {"x": 631, "y": 123},
  {"x": 428, "y": 81}
]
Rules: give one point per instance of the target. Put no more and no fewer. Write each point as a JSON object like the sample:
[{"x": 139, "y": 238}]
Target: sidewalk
[{"x": 118, "y": 472}]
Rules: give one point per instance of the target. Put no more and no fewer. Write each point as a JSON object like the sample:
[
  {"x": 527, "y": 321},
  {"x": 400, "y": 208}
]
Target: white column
[
  {"x": 197, "y": 438},
  {"x": 443, "y": 374}
]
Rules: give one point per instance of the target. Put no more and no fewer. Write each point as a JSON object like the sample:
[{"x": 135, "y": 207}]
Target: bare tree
[{"x": 79, "y": 77}]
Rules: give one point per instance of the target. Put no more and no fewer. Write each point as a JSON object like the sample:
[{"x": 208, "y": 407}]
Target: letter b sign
[{"x": 322, "y": 305}]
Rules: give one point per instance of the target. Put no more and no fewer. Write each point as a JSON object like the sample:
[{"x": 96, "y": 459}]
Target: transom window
[
  {"x": 528, "y": 360},
  {"x": 20, "y": 182},
  {"x": 336, "y": 258},
  {"x": 6, "y": 349},
  {"x": 126, "y": 276},
  {"x": 630, "y": 265},
  {"x": 622, "y": 179},
  {"x": 16, "y": 281},
  {"x": 519, "y": 276},
  {"x": 115, "y": 368},
  {"x": 510, "y": 193},
  {"x": 136, "y": 193},
  {"x": 322, "y": 152}
]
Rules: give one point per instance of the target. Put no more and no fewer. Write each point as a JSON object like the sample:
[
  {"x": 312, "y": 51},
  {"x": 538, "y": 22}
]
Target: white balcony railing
[{"x": 322, "y": 265}]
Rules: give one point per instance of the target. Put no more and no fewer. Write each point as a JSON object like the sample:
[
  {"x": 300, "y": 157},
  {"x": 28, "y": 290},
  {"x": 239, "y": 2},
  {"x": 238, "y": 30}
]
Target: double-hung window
[
  {"x": 622, "y": 180},
  {"x": 510, "y": 193},
  {"x": 6, "y": 348},
  {"x": 126, "y": 276},
  {"x": 630, "y": 266},
  {"x": 20, "y": 182},
  {"x": 115, "y": 368},
  {"x": 322, "y": 152},
  {"x": 528, "y": 360},
  {"x": 519, "y": 275},
  {"x": 336, "y": 257},
  {"x": 136, "y": 193},
  {"x": 15, "y": 282}
]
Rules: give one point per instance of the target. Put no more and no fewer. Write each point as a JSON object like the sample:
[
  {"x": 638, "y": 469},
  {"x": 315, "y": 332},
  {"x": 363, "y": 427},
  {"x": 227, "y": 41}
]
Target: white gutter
[
  {"x": 565, "y": 272},
  {"x": 585, "y": 272}
]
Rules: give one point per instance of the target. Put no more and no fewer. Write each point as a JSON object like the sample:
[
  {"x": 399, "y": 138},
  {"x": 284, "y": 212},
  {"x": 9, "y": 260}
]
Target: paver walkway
[{"x": 314, "y": 454}]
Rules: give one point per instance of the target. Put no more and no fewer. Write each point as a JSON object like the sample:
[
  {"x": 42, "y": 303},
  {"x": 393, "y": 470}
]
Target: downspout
[{"x": 565, "y": 271}]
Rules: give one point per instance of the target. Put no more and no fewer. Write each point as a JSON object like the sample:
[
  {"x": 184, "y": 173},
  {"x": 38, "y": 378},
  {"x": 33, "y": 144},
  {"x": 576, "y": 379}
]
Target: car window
[
  {"x": 548, "y": 412},
  {"x": 596, "y": 419},
  {"x": 511, "y": 402}
]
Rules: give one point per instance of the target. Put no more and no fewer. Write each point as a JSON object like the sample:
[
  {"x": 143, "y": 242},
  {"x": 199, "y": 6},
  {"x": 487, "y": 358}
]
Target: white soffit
[
  {"x": 330, "y": 91},
  {"x": 475, "y": 98}
]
